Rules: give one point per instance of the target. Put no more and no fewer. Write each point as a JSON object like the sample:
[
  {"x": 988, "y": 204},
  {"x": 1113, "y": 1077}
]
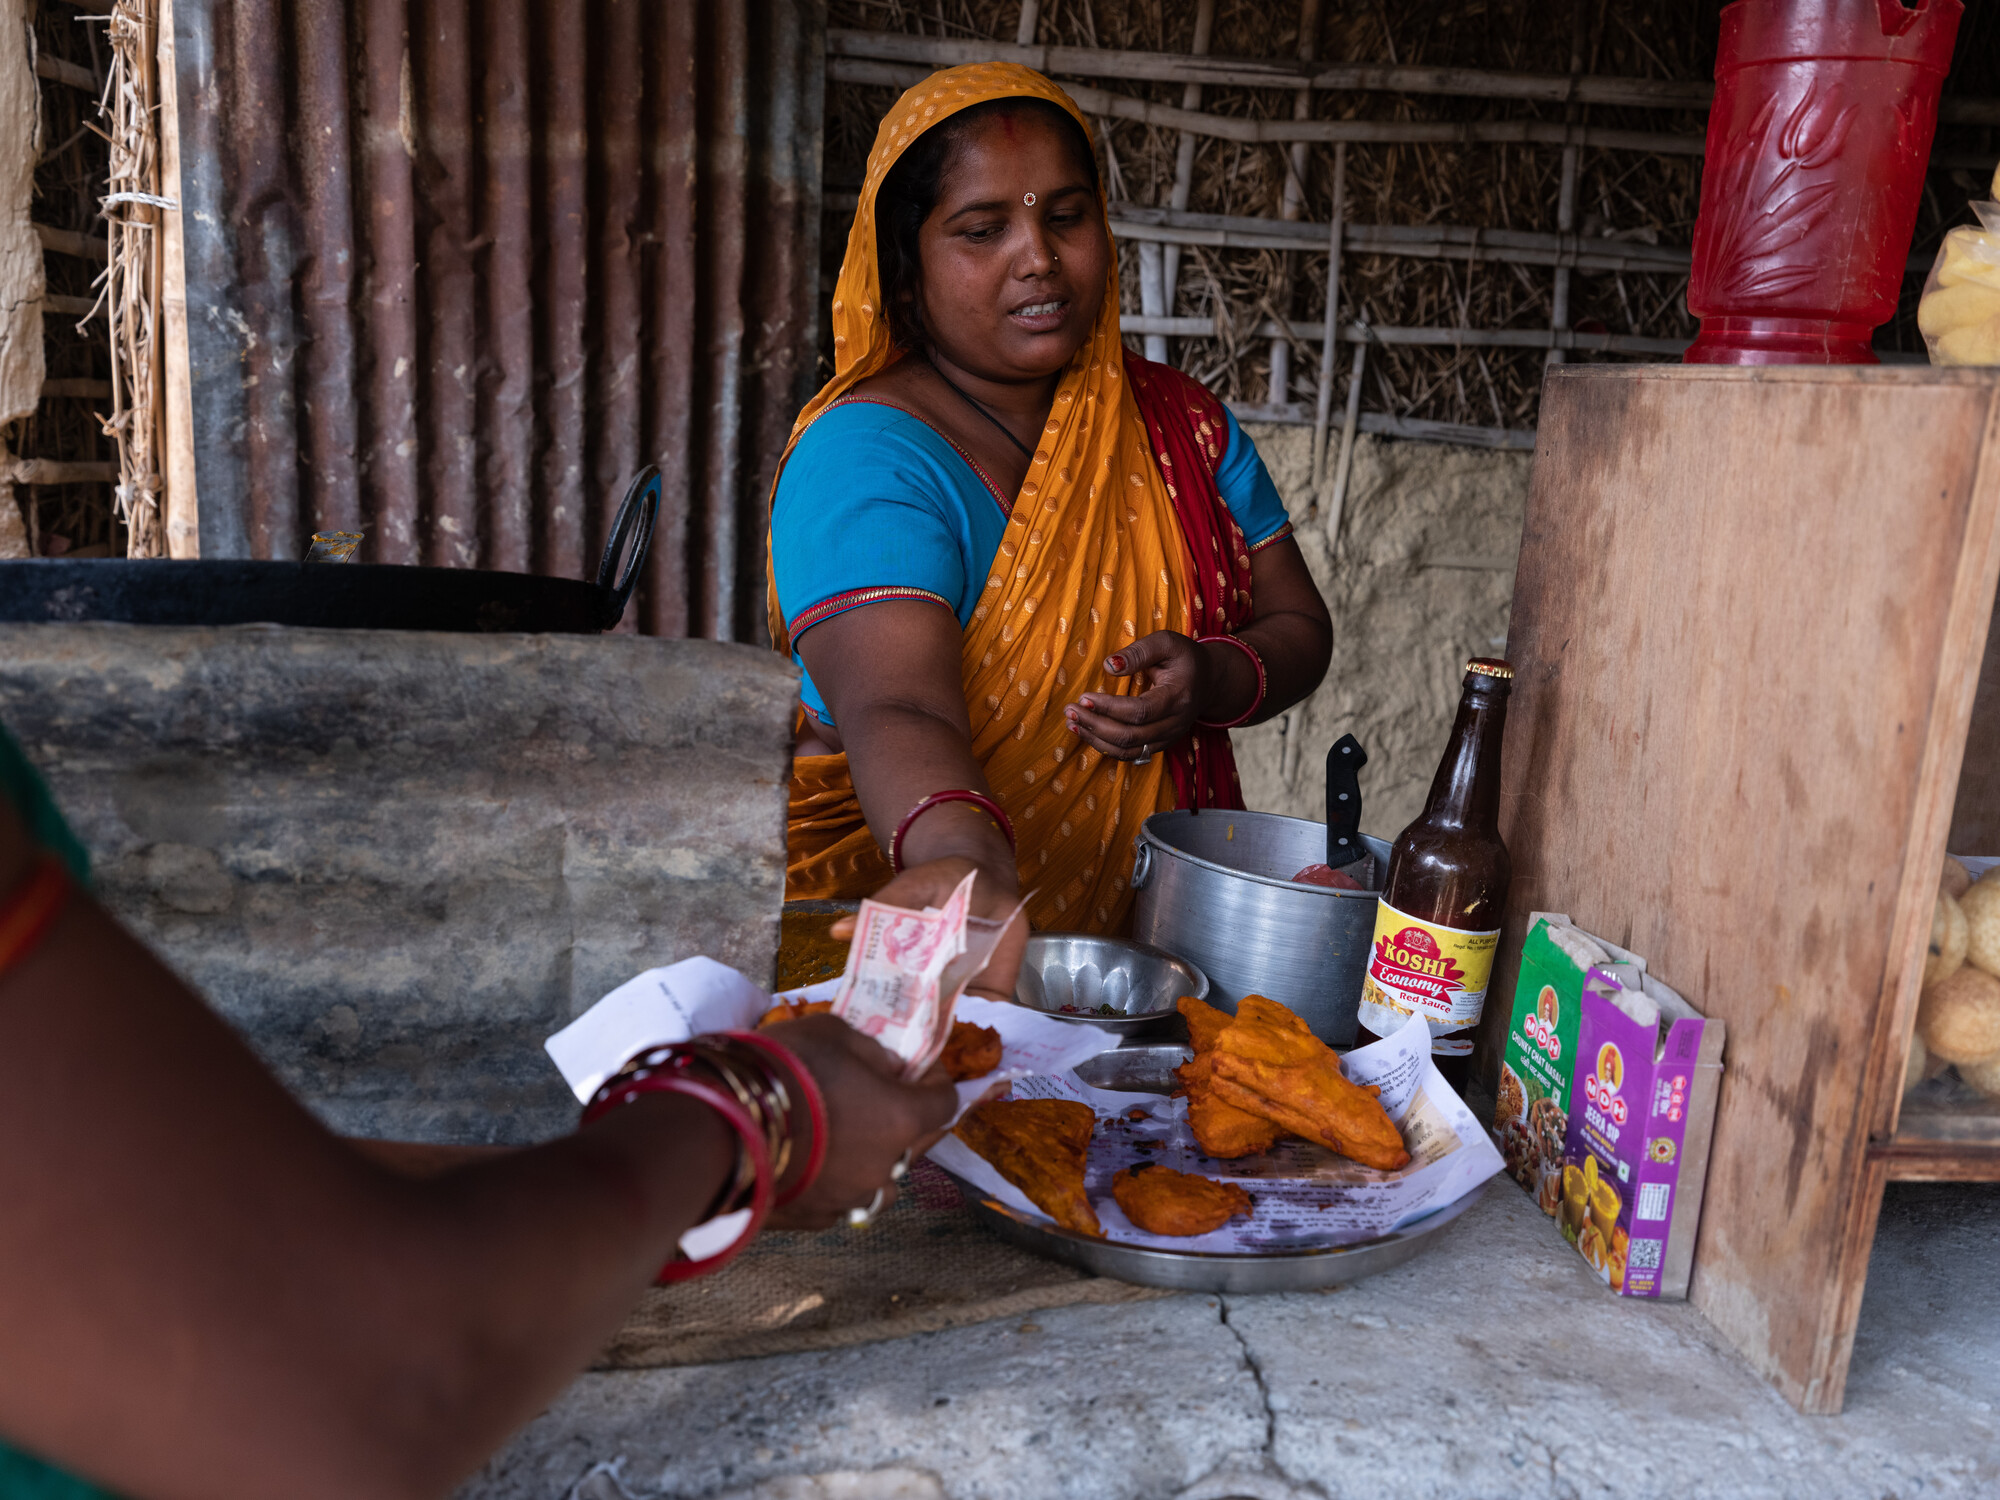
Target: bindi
[{"x": 1028, "y": 199}]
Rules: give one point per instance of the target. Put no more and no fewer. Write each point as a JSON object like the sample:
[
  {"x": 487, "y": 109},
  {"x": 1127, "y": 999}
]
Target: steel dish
[{"x": 1140, "y": 983}]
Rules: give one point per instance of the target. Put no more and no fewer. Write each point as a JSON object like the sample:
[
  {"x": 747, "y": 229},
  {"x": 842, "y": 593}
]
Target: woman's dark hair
[{"x": 910, "y": 192}]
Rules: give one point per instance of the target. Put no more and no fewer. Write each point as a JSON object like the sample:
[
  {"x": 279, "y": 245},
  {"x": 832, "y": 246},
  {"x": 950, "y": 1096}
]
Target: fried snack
[
  {"x": 1221, "y": 1130},
  {"x": 1269, "y": 1064},
  {"x": 971, "y": 1052},
  {"x": 1039, "y": 1146},
  {"x": 786, "y": 1010},
  {"x": 1162, "y": 1201}
]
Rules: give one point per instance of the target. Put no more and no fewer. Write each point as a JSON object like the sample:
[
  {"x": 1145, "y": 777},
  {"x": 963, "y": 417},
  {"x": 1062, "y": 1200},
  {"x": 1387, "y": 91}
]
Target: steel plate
[
  {"x": 1149, "y": 1070},
  {"x": 1188, "y": 1271}
]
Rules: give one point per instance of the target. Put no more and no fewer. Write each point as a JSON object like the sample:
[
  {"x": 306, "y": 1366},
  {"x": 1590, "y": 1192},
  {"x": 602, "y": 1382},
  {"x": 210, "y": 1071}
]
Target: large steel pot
[{"x": 1213, "y": 887}]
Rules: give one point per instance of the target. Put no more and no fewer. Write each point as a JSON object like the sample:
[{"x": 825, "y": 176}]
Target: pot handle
[
  {"x": 635, "y": 522},
  {"x": 1142, "y": 863}
]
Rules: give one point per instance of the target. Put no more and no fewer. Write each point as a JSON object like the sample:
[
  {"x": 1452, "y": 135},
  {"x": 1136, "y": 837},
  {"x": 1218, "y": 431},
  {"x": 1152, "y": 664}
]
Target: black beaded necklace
[{"x": 982, "y": 408}]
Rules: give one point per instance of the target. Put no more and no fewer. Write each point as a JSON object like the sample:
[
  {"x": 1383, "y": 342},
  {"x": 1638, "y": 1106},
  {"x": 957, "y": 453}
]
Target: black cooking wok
[{"x": 352, "y": 596}]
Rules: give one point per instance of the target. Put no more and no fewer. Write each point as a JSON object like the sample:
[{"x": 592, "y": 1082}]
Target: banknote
[{"x": 905, "y": 970}]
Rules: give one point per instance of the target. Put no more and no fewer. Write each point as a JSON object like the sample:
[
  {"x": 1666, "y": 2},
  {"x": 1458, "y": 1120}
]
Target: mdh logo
[{"x": 1415, "y": 951}]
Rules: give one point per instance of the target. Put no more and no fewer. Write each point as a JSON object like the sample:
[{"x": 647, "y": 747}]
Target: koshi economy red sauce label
[{"x": 1420, "y": 968}]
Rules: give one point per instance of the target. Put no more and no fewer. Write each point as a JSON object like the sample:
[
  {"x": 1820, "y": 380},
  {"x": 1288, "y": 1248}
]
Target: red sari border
[{"x": 827, "y": 608}]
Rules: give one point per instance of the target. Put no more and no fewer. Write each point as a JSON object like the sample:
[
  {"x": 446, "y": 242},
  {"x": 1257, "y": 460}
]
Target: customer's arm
[{"x": 204, "y": 1294}]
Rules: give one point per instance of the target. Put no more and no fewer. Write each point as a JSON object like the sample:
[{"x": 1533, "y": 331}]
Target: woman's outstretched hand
[
  {"x": 874, "y": 1118},
  {"x": 1180, "y": 681}
]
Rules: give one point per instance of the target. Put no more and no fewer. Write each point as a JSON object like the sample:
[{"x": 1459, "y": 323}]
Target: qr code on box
[
  {"x": 1652, "y": 1201},
  {"x": 1645, "y": 1255}
]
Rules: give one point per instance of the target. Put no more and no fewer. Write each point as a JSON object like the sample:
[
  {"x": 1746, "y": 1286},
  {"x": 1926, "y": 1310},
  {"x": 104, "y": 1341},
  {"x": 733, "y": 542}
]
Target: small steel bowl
[{"x": 1141, "y": 984}]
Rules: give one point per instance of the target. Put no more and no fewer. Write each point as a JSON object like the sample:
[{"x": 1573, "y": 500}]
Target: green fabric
[
  {"x": 23, "y": 1477},
  {"x": 22, "y": 785}
]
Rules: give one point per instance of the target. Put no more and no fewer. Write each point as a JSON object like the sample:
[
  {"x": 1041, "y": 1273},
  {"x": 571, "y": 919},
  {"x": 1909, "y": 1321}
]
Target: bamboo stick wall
[{"x": 1518, "y": 185}]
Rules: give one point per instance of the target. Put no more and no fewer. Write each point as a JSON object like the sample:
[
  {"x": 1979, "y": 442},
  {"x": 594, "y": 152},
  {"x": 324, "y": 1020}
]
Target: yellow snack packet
[
  {"x": 1977, "y": 345},
  {"x": 1957, "y": 305},
  {"x": 1959, "y": 312}
]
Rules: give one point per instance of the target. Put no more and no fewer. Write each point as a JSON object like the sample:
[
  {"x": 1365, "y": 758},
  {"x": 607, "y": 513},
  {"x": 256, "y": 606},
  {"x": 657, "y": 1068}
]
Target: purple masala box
[{"x": 1641, "y": 1114}]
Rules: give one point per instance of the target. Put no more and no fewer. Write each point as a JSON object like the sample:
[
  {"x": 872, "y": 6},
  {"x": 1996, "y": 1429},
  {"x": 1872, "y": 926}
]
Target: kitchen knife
[{"x": 1343, "y": 803}]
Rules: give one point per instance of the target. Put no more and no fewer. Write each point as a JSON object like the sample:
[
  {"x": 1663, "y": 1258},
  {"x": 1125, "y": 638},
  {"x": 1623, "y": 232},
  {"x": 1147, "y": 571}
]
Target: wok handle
[{"x": 635, "y": 522}]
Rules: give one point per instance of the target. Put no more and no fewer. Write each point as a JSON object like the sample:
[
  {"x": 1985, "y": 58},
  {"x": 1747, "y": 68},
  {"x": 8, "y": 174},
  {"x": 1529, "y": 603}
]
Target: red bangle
[
  {"x": 31, "y": 910},
  {"x": 750, "y": 1142},
  {"x": 979, "y": 800},
  {"x": 815, "y": 1103},
  {"x": 1263, "y": 682}
]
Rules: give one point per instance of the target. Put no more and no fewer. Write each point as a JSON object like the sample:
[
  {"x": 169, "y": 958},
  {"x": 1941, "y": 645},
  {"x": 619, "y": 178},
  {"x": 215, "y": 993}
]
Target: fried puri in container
[
  {"x": 786, "y": 1010},
  {"x": 1162, "y": 1201},
  {"x": 971, "y": 1052},
  {"x": 1221, "y": 1130},
  {"x": 1270, "y": 1064},
  {"x": 1039, "y": 1145}
]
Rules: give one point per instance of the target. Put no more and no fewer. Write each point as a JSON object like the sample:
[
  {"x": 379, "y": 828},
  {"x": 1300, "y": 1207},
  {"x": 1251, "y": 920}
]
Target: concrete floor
[{"x": 1494, "y": 1367}]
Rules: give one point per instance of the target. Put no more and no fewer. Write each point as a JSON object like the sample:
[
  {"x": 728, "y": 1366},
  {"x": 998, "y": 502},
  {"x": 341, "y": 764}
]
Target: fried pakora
[
  {"x": 786, "y": 1010},
  {"x": 972, "y": 1051},
  {"x": 1270, "y": 1064},
  {"x": 1221, "y": 1130},
  {"x": 1162, "y": 1201},
  {"x": 1038, "y": 1145}
]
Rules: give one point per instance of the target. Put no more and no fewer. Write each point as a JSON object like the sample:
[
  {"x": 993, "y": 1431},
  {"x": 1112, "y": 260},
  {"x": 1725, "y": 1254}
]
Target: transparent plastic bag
[{"x": 1959, "y": 315}]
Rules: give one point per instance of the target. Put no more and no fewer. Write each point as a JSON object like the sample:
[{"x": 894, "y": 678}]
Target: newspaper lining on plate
[
  {"x": 698, "y": 995},
  {"x": 1307, "y": 1198}
]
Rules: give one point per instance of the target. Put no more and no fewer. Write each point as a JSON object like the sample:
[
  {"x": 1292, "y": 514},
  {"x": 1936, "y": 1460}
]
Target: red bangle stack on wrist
[
  {"x": 1263, "y": 682},
  {"x": 742, "y": 1077},
  {"x": 980, "y": 800},
  {"x": 30, "y": 910}
]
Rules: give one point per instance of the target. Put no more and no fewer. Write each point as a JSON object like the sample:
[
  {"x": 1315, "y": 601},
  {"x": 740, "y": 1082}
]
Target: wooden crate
[{"x": 1750, "y": 618}]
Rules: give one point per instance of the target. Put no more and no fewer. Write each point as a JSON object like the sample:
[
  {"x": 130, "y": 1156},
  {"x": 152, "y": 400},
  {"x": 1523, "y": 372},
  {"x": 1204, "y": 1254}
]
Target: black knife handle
[{"x": 1343, "y": 801}]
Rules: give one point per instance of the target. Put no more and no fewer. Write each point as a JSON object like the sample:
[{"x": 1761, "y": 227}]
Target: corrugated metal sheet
[{"x": 458, "y": 268}]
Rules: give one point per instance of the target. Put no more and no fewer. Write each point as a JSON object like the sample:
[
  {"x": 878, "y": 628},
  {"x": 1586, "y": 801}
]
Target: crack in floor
[{"x": 1256, "y": 1374}]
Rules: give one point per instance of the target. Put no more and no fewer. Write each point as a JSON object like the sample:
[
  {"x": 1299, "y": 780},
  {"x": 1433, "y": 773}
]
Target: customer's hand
[
  {"x": 1179, "y": 681},
  {"x": 873, "y": 1117},
  {"x": 995, "y": 897}
]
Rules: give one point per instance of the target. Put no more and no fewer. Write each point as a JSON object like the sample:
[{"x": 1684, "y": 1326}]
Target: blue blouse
[{"x": 877, "y": 504}]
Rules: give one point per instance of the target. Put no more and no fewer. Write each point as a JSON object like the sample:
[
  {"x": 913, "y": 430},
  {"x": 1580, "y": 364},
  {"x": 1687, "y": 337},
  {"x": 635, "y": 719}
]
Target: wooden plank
[
  {"x": 69, "y": 242},
  {"x": 1245, "y": 128},
  {"x": 1234, "y": 72},
  {"x": 85, "y": 390},
  {"x": 1745, "y": 618},
  {"x": 56, "y": 70},
  {"x": 1936, "y": 1161},
  {"x": 55, "y": 471}
]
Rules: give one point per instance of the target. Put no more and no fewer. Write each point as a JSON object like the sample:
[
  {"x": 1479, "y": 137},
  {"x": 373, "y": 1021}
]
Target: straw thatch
[{"x": 132, "y": 281}]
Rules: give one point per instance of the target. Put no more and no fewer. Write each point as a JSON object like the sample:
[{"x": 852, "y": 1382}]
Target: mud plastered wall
[{"x": 1422, "y": 580}]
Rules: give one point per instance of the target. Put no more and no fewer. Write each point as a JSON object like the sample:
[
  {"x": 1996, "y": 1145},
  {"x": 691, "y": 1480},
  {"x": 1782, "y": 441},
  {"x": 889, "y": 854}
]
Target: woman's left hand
[{"x": 1180, "y": 681}]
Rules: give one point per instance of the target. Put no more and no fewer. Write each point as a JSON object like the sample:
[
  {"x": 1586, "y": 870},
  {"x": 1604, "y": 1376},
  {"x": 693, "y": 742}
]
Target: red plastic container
[{"x": 1817, "y": 141}]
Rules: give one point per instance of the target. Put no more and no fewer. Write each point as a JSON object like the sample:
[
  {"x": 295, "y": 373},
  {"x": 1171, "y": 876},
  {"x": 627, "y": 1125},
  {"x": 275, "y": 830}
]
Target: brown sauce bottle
[{"x": 1446, "y": 889}]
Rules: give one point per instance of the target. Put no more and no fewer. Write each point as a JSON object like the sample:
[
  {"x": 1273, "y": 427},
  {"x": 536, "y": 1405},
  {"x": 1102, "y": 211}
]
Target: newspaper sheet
[
  {"x": 1307, "y": 1198},
  {"x": 697, "y": 995}
]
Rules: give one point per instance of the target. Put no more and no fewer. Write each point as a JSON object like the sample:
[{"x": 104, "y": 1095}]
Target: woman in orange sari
[{"x": 1011, "y": 556}]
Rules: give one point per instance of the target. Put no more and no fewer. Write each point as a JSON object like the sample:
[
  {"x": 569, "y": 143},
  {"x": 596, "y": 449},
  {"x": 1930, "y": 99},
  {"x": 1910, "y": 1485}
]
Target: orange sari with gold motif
[{"x": 1118, "y": 531}]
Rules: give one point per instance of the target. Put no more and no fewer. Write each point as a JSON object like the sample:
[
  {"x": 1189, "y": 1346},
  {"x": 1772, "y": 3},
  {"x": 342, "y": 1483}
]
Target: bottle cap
[{"x": 1489, "y": 666}]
